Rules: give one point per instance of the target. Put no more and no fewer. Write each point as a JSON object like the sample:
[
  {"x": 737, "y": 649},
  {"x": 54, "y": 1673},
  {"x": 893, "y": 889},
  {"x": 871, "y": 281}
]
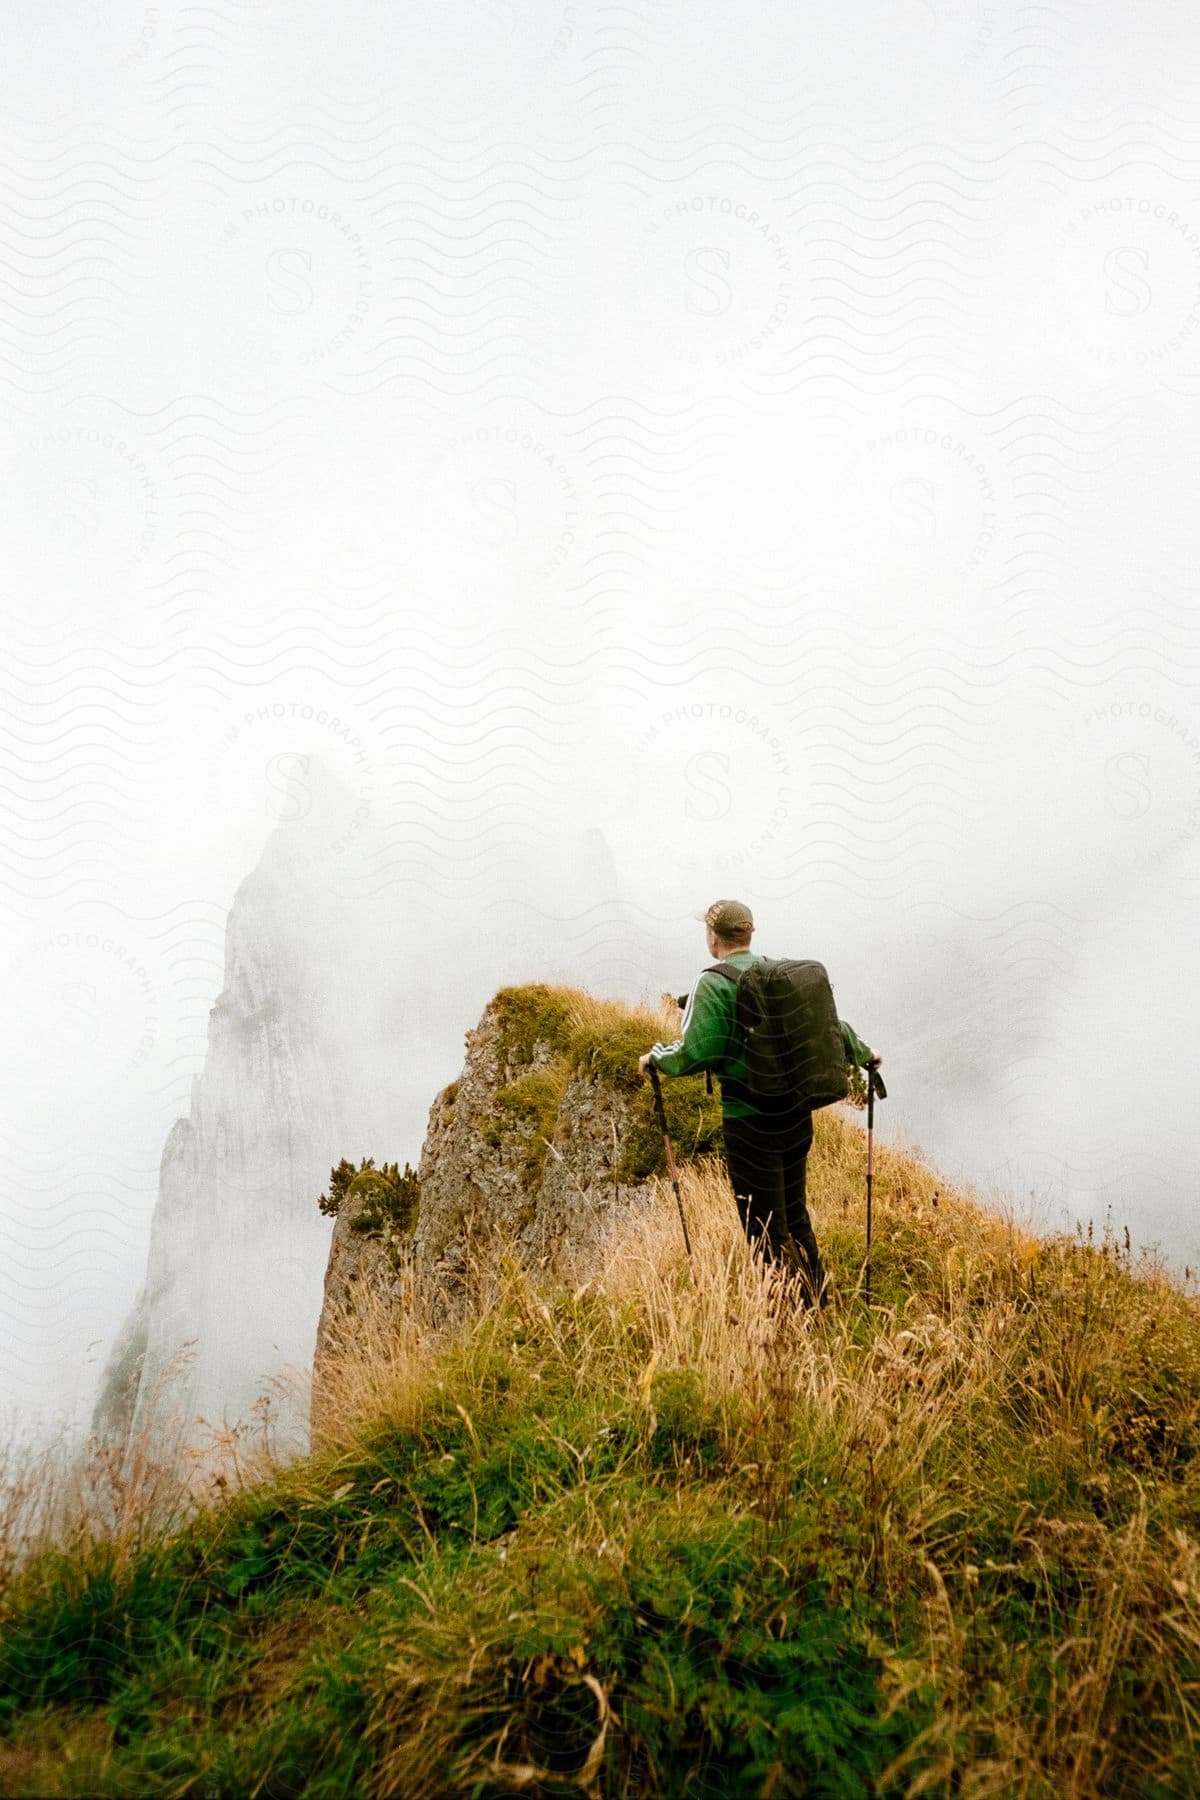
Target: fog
[{"x": 568, "y": 464}]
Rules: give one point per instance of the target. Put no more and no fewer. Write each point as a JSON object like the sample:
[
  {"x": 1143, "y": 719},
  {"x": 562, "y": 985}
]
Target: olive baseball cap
[{"x": 728, "y": 918}]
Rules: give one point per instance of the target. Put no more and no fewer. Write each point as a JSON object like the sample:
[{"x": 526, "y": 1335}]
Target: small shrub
[
  {"x": 339, "y": 1180},
  {"x": 391, "y": 1199}
]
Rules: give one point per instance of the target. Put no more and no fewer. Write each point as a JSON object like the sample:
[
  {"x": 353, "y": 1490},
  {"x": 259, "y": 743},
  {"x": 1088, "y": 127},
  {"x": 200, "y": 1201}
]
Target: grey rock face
[
  {"x": 355, "y": 1262},
  {"x": 560, "y": 1203}
]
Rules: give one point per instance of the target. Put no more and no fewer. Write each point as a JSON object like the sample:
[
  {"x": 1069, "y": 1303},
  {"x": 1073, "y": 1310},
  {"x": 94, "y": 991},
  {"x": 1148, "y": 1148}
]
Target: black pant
[{"x": 766, "y": 1156}]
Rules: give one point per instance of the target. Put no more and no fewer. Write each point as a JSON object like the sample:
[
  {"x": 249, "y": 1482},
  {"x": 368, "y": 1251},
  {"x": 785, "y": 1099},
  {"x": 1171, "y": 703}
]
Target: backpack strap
[{"x": 733, "y": 975}]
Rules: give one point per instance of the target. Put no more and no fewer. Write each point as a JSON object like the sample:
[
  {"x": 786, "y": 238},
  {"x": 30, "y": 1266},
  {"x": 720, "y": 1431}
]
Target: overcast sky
[{"x": 648, "y": 453}]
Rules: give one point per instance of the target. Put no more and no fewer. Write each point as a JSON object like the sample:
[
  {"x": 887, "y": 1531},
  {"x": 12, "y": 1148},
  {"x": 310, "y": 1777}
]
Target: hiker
[{"x": 766, "y": 1145}]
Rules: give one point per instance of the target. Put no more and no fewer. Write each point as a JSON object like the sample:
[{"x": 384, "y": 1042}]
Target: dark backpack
[{"x": 787, "y": 1020}]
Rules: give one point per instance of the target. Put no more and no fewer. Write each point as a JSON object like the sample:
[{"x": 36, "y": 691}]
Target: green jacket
[{"x": 709, "y": 1038}]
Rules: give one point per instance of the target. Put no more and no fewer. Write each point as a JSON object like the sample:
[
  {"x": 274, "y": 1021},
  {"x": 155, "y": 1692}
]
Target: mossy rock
[
  {"x": 530, "y": 1105},
  {"x": 528, "y": 1016}
]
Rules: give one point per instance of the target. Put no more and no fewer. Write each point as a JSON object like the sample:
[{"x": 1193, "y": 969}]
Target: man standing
[{"x": 766, "y": 1147}]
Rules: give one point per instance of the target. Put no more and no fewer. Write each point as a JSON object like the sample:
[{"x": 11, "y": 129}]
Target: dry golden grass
[
  {"x": 594, "y": 1018},
  {"x": 377, "y": 1355}
]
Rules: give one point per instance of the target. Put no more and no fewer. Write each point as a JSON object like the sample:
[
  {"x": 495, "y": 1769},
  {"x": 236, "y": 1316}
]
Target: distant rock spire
[{"x": 237, "y": 1244}]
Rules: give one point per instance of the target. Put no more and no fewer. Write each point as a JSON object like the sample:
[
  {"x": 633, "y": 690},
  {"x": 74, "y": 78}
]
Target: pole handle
[{"x": 659, "y": 1108}]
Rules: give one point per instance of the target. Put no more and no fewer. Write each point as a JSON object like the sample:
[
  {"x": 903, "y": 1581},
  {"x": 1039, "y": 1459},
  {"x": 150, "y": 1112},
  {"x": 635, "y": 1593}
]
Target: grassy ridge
[{"x": 668, "y": 1535}]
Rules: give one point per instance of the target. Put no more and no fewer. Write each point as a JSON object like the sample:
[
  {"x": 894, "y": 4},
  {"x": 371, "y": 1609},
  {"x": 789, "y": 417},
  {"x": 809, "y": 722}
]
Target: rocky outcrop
[
  {"x": 522, "y": 1142},
  {"x": 545, "y": 1138}
]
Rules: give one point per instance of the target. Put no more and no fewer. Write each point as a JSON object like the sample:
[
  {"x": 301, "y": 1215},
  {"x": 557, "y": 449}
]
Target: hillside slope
[{"x": 661, "y": 1532}]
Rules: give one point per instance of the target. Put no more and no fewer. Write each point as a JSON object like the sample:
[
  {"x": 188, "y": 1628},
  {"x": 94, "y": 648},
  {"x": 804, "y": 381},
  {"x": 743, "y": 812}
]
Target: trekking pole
[
  {"x": 874, "y": 1086},
  {"x": 673, "y": 1171}
]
